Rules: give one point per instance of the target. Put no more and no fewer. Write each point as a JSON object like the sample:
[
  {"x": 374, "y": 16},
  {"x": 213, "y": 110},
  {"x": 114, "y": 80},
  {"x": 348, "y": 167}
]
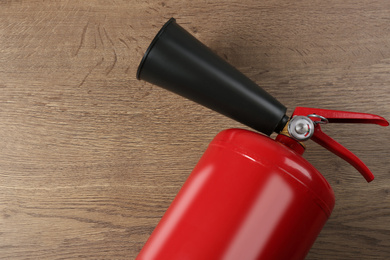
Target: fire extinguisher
[{"x": 250, "y": 196}]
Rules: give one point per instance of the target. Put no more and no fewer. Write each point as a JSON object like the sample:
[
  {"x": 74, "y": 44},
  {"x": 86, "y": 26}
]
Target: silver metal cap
[{"x": 301, "y": 128}]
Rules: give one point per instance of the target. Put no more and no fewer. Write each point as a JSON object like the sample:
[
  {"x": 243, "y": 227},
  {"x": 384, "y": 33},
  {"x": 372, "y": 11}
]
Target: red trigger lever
[{"x": 319, "y": 116}]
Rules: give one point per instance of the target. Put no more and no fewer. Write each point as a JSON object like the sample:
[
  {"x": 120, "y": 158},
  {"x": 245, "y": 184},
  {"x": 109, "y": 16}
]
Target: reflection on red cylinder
[{"x": 249, "y": 197}]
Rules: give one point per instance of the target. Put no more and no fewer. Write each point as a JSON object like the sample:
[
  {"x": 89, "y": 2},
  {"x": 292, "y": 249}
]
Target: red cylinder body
[{"x": 249, "y": 197}]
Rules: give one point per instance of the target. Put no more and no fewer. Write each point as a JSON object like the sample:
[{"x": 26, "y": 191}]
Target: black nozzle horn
[{"x": 177, "y": 61}]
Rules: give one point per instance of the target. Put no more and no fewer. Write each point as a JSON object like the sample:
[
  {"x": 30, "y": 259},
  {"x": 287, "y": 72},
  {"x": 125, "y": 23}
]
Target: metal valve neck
[{"x": 285, "y": 138}]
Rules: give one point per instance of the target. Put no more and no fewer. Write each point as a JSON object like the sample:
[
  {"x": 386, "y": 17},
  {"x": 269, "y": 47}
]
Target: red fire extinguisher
[{"x": 249, "y": 197}]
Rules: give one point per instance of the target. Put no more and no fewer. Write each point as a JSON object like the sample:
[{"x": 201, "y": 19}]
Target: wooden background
[{"x": 90, "y": 158}]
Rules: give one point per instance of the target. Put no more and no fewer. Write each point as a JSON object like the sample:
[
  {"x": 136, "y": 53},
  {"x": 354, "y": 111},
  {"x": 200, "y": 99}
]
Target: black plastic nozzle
[{"x": 178, "y": 62}]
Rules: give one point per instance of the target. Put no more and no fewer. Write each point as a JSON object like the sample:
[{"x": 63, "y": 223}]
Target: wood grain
[{"x": 90, "y": 158}]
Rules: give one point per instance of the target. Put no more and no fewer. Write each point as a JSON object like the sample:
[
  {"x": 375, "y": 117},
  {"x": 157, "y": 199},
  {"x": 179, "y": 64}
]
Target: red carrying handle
[{"x": 334, "y": 116}]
